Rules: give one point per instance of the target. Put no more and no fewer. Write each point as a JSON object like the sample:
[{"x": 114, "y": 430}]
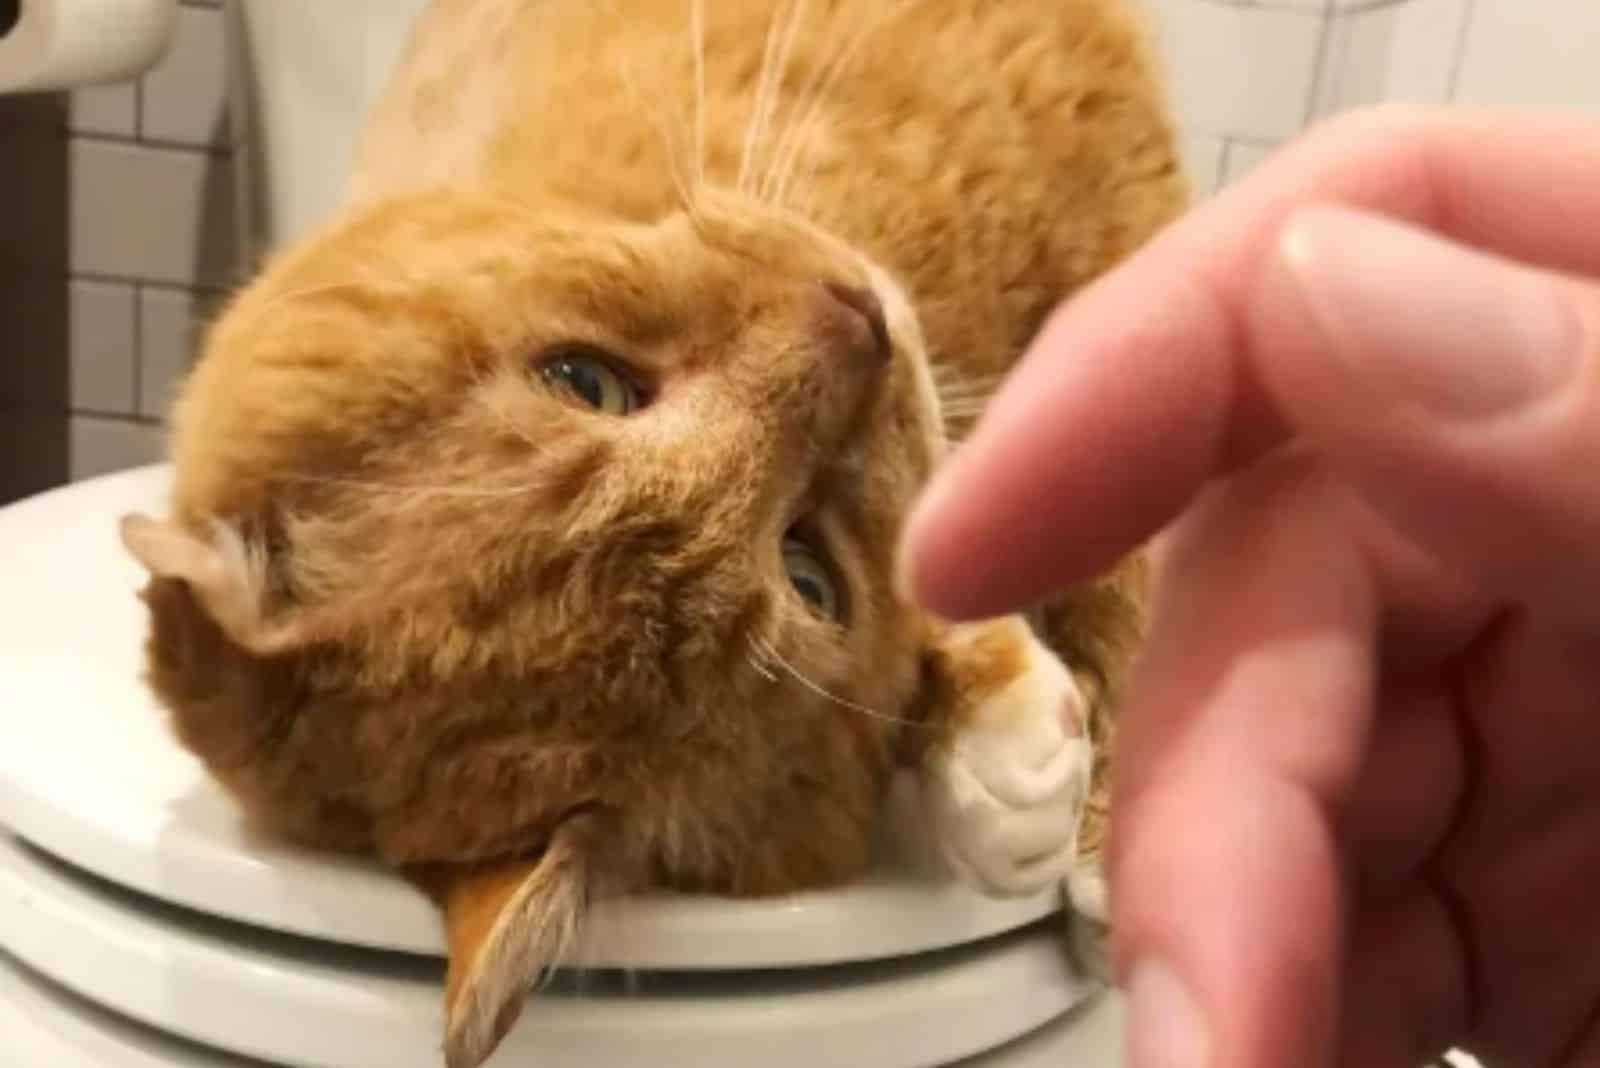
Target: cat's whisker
[
  {"x": 697, "y": 43},
  {"x": 775, "y": 65},
  {"x": 761, "y": 668},
  {"x": 953, "y": 387},
  {"x": 669, "y": 143},
  {"x": 771, "y": 121},
  {"x": 510, "y": 425},
  {"x": 300, "y": 294},
  {"x": 800, "y": 130},
  {"x": 654, "y": 113},
  {"x": 768, "y": 49},
  {"x": 973, "y": 403},
  {"x": 802, "y": 101},
  {"x": 775, "y": 658},
  {"x": 377, "y": 486},
  {"x": 792, "y": 144}
]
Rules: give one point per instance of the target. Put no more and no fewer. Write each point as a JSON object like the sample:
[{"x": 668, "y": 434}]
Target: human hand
[{"x": 1356, "y": 809}]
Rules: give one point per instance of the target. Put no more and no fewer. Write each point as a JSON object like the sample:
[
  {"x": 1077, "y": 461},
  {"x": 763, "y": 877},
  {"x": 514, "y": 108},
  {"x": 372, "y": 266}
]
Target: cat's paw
[
  {"x": 1007, "y": 796},
  {"x": 1086, "y": 890}
]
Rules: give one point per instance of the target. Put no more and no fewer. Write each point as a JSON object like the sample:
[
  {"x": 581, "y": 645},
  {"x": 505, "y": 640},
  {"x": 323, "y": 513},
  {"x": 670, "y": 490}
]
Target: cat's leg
[
  {"x": 1007, "y": 786},
  {"x": 1018, "y": 788}
]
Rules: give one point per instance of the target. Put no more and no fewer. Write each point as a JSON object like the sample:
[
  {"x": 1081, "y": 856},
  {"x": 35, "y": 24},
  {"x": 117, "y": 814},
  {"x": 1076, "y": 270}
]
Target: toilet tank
[{"x": 304, "y": 74}]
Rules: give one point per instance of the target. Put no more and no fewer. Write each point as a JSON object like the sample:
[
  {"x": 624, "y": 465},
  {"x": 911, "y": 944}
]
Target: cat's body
[{"x": 534, "y": 523}]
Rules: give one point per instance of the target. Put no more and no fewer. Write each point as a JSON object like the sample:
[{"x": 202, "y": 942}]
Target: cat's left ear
[{"x": 225, "y": 576}]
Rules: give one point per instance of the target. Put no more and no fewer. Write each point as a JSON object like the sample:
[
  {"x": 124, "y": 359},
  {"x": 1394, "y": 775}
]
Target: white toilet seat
[
  {"x": 295, "y": 1001},
  {"x": 164, "y": 910},
  {"x": 46, "y": 1026}
]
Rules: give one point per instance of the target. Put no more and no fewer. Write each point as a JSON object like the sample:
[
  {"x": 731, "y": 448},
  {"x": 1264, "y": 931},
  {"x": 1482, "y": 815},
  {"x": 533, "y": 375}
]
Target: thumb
[{"x": 1456, "y": 391}]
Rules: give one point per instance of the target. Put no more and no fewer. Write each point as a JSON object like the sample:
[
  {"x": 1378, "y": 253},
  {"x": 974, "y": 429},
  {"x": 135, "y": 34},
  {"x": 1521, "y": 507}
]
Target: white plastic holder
[{"x": 71, "y": 44}]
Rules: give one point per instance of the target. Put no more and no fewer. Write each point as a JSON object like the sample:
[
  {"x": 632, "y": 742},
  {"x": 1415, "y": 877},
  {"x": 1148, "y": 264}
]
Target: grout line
[
  {"x": 1469, "y": 11},
  {"x": 131, "y": 418},
  {"x": 138, "y": 348},
  {"x": 1319, "y": 66},
  {"x": 210, "y": 150},
  {"x": 200, "y": 288},
  {"x": 1224, "y": 161}
]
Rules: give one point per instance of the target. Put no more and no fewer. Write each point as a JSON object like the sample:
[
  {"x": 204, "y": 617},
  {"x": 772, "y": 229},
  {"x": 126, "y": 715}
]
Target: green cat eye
[
  {"x": 586, "y": 375},
  {"x": 811, "y": 578}
]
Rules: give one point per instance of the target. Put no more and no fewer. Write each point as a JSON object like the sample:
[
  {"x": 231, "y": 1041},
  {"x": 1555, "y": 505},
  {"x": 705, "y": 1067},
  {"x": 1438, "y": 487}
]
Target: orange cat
[{"x": 534, "y": 521}]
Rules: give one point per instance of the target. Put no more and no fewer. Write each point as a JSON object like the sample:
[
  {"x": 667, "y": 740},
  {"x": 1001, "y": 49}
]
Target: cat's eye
[
  {"x": 588, "y": 375},
  {"x": 811, "y": 578}
]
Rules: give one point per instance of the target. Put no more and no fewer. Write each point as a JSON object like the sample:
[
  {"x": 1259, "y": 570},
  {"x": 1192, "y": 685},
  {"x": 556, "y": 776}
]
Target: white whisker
[
  {"x": 771, "y": 88},
  {"x": 402, "y": 489},
  {"x": 761, "y": 669},
  {"x": 697, "y": 34},
  {"x": 767, "y": 52},
  {"x": 786, "y": 165},
  {"x": 767, "y": 650}
]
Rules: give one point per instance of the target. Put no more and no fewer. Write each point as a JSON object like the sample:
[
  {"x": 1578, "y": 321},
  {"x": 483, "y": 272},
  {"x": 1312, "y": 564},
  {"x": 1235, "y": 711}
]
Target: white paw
[{"x": 1007, "y": 797}]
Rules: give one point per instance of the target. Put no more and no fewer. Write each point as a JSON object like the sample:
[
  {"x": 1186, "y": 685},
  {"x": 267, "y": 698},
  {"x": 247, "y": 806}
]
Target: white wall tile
[
  {"x": 106, "y": 109},
  {"x": 185, "y": 98},
  {"x": 1239, "y": 70},
  {"x": 148, "y": 213},
  {"x": 101, "y": 353},
  {"x": 1202, "y": 156},
  {"x": 168, "y": 330},
  {"x": 1354, "y": 67},
  {"x": 1424, "y": 49},
  {"x": 1532, "y": 54},
  {"x": 1242, "y": 157},
  {"x": 98, "y": 445}
]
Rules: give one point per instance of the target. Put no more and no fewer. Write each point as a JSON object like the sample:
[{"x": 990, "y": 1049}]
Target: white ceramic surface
[
  {"x": 47, "y": 1027},
  {"x": 90, "y": 773},
  {"x": 311, "y": 70},
  {"x": 305, "y": 1003}
]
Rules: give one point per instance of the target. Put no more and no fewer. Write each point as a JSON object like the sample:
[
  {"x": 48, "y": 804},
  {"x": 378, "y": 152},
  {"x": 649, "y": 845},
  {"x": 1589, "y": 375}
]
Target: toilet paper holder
[{"x": 48, "y": 45}]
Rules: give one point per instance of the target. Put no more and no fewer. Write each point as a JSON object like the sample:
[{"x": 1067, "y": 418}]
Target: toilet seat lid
[{"x": 91, "y": 774}]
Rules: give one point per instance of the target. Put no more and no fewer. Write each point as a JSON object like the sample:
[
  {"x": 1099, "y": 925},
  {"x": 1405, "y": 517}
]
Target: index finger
[{"x": 1145, "y": 386}]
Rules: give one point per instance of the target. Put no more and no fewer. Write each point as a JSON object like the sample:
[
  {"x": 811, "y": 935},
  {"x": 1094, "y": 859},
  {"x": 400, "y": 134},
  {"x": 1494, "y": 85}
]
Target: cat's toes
[
  {"x": 1086, "y": 890},
  {"x": 1007, "y": 797}
]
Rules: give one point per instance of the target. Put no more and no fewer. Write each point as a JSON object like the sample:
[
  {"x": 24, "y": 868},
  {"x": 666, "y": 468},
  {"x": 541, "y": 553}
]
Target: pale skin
[{"x": 1356, "y": 817}]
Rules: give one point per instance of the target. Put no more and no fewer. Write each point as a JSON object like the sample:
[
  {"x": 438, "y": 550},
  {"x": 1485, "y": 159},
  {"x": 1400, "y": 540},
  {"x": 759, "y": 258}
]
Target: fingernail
[
  {"x": 1165, "y": 1026},
  {"x": 1457, "y": 333}
]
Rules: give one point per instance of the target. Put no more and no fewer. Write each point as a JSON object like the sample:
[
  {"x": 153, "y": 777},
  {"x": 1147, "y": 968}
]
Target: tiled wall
[
  {"x": 115, "y": 232},
  {"x": 1250, "y": 74},
  {"x": 126, "y": 192}
]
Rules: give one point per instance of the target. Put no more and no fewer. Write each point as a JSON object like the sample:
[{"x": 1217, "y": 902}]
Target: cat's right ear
[
  {"x": 506, "y": 924},
  {"x": 224, "y": 576}
]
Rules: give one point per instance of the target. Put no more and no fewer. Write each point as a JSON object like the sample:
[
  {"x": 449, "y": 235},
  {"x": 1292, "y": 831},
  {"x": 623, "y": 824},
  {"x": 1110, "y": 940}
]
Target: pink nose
[{"x": 859, "y": 312}]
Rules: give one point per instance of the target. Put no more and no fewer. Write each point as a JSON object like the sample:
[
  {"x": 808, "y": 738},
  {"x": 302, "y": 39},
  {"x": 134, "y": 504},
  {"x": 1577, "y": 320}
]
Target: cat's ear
[
  {"x": 506, "y": 924},
  {"x": 226, "y": 578}
]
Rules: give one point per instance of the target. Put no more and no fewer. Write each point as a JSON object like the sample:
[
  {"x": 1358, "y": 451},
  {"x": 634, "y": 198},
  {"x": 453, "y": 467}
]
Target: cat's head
[{"x": 467, "y": 475}]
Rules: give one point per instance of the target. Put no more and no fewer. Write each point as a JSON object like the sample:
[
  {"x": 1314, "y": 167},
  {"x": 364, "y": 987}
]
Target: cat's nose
[{"x": 855, "y": 314}]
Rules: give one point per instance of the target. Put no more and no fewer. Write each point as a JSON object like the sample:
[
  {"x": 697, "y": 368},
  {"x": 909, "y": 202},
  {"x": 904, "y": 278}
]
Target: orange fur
[{"x": 494, "y": 611}]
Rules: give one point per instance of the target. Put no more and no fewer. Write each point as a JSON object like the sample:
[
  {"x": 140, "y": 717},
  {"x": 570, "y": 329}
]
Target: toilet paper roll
[{"x": 62, "y": 44}]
